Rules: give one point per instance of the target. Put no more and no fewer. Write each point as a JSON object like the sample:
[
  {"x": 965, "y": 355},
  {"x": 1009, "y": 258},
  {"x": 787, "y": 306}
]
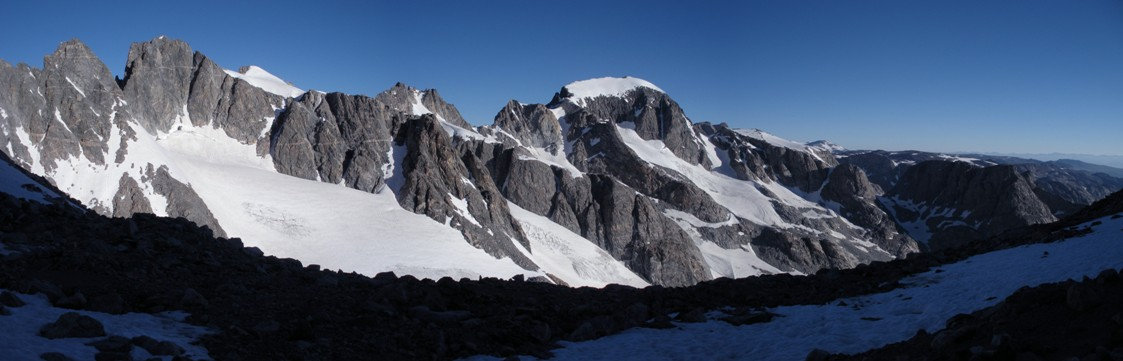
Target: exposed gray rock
[
  {"x": 433, "y": 174},
  {"x": 130, "y": 198},
  {"x": 652, "y": 114},
  {"x": 433, "y": 101},
  {"x": 856, "y": 196},
  {"x": 531, "y": 125},
  {"x": 1062, "y": 190},
  {"x": 23, "y": 102},
  {"x": 752, "y": 158},
  {"x": 641, "y": 236},
  {"x": 336, "y": 138},
  {"x": 592, "y": 143},
  {"x": 167, "y": 81},
  {"x": 182, "y": 200},
  {"x": 64, "y": 109},
  {"x": 71, "y": 108},
  {"x": 157, "y": 82},
  {"x": 959, "y": 202},
  {"x": 1067, "y": 190},
  {"x": 609, "y": 213}
]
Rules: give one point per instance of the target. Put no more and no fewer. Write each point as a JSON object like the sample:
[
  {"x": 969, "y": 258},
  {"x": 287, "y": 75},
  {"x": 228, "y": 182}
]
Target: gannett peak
[{"x": 608, "y": 86}]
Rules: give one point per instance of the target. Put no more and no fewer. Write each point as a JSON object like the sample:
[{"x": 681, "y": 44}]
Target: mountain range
[{"x": 607, "y": 182}]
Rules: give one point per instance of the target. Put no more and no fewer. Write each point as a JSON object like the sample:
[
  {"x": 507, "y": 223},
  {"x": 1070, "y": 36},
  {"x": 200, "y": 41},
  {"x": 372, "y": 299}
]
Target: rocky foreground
[{"x": 266, "y": 308}]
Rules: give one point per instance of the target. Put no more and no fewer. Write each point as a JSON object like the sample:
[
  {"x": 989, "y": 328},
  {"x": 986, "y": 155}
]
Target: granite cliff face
[
  {"x": 71, "y": 122},
  {"x": 957, "y": 202},
  {"x": 608, "y": 182},
  {"x": 945, "y": 200}
]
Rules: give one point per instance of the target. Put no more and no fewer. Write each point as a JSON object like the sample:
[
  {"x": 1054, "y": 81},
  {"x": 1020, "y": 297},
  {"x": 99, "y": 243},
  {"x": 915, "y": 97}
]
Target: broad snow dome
[
  {"x": 260, "y": 78},
  {"x": 608, "y": 86}
]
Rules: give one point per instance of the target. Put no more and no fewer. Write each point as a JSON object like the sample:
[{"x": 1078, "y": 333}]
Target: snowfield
[
  {"x": 319, "y": 223},
  {"x": 607, "y": 86},
  {"x": 926, "y": 302}
]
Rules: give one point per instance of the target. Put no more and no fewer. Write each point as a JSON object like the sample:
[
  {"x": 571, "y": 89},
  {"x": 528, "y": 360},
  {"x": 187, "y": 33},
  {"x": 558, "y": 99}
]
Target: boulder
[{"x": 72, "y": 325}]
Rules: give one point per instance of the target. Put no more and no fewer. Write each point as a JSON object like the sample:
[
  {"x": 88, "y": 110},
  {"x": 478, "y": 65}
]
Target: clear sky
[{"x": 1001, "y": 76}]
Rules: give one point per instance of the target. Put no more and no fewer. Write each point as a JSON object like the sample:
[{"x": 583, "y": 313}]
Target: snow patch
[
  {"x": 732, "y": 263},
  {"x": 461, "y": 205},
  {"x": 75, "y": 87},
  {"x": 555, "y": 158},
  {"x": 418, "y": 108},
  {"x": 260, "y": 78},
  {"x": 21, "y": 339}
]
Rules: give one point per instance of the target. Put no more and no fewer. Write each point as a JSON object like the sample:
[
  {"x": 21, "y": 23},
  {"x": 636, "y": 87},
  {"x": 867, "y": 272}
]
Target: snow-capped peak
[
  {"x": 260, "y": 78},
  {"x": 826, "y": 146},
  {"x": 608, "y": 86}
]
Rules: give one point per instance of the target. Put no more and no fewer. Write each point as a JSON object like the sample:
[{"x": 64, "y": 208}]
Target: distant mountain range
[
  {"x": 1115, "y": 161},
  {"x": 607, "y": 182}
]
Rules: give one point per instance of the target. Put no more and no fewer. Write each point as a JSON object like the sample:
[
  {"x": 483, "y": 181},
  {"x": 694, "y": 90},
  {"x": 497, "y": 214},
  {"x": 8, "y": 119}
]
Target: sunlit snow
[
  {"x": 260, "y": 78},
  {"x": 608, "y": 86}
]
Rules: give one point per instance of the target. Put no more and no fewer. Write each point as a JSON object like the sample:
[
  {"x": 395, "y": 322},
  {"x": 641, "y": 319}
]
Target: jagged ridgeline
[{"x": 608, "y": 182}]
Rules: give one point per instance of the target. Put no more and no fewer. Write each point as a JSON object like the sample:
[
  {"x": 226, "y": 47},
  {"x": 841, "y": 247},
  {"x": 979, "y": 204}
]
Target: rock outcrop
[{"x": 964, "y": 202}]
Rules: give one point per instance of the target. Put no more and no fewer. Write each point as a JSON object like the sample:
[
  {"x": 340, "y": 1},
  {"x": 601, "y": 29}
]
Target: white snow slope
[
  {"x": 315, "y": 222},
  {"x": 926, "y": 302},
  {"x": 21, "y": 340},
  {"x": 260, "y": 78},
  {"x": 332, "y": 225}
]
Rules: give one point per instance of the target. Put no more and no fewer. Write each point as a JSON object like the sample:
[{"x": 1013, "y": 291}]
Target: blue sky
[{"x": 1001, "y": 76}]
